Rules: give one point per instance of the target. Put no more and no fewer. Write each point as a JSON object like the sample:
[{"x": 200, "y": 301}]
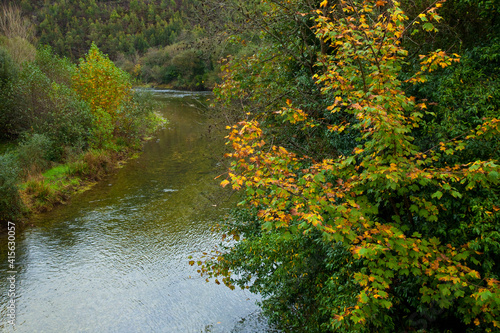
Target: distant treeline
[{"x": 150, "y": 39}]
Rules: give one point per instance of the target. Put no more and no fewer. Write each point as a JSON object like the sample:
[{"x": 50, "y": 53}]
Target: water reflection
[{"x": 115, "y": 259}]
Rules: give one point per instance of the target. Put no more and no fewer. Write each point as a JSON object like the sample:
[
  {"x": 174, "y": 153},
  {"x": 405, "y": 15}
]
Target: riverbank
[
  {"x": 63, "y": 125},
  {"x": 41, "y": 192}
]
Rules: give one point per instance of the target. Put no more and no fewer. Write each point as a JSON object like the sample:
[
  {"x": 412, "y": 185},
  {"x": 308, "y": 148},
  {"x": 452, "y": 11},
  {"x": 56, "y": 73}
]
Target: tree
[{"x": 105, "y": 88}]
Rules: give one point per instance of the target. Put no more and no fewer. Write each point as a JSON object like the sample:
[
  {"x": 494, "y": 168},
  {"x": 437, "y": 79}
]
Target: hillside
[{"x": 149, "y": 39}]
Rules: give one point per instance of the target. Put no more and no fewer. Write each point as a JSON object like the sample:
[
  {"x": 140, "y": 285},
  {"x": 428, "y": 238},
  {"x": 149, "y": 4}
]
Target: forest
[
  {"x": 153, "y": 40},
  {"x": 363, "y": 142}
]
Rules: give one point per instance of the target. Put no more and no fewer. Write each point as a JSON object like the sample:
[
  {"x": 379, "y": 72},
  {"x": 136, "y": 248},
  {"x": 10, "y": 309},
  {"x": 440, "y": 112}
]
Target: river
[{"x": 115, "y": 259}]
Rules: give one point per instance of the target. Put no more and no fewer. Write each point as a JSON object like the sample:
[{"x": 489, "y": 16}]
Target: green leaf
[
  {"x": 493, "y": 176},
  {"x": 320, "y": 178},
  {"x": 287, "y": 236},
  {"x": 437, "y": 194},
  {"x": 267, "y": 226},
  {"x": 428, "y": 26}
]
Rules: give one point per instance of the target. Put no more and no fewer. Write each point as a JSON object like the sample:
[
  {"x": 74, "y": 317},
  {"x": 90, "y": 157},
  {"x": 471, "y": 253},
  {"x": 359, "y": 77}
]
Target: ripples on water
[{"x": 116, "y": 258}]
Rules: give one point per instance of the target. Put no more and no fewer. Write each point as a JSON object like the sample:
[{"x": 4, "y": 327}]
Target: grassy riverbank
[
  {"x": 64, "y": 126},
  {"x": 40, "y": 192},
  {"x": 43, "y": 191}
]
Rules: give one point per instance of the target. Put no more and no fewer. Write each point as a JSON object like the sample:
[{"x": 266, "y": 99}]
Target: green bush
[
  {"x": 59, "y": 70},
  {"x": 176, "y": 65},
  {"x": 190, "y": 68},
  {"x": 136, "y": 118},
  {"x": 33, "y": 102},
  {"x": 8, "y": 70},
  {"x": 34, "y": 153},
  {"x": 8, "y": 76},
  {"x": 10, "y": 202},
  {"x": 47, "y": 105},
  {"x": 153, "y": 64},
  {"x": 398, "y": 218},
  {"x": 102, "y": 130},
  {"x": 460, "y": 98},
  {"x": 68, "y": 124}
]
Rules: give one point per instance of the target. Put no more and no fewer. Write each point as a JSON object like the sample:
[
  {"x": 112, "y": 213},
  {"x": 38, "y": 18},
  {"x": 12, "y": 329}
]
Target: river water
[{"x": 116, "y": 258}]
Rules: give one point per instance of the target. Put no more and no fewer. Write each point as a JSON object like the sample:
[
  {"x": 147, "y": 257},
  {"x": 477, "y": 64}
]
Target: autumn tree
[
  {"x": 106, "y": 88},
  {"x": 386, "y": 224}
]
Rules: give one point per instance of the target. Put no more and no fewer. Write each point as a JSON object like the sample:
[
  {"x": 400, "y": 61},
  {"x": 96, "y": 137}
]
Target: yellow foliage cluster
[
  {"x": 100, "y": 83},
  {"x": 340, "y": 196}
]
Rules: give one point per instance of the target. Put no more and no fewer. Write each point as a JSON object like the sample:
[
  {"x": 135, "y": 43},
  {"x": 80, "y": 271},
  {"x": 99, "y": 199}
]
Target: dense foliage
[
  {"x": 117, "y": 26},
  {"x": 368, "y": 157},
  {"x": 131, "y": 32}
]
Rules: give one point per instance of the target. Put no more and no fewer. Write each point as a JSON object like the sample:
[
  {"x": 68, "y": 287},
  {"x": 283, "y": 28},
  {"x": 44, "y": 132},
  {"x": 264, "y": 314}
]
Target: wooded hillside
[{"x": 150, "y": 39}]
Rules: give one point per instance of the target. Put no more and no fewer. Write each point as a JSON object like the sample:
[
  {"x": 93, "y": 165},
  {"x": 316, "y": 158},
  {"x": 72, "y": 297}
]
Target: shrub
[
  {"x": 20, "y": 49},
  {"x": 59, "y": 70},
  {"x": 176, "y": 65},
  {"x": 102, "y": 130},
  {"x": 153, "y": 64},
  {"x": 48, "y": 106},
  {"x": 34, "y": 153},
  {"x": 136, "y": 118},
  {"x": 69, "y": 123},
  {"x": 33, "y": 103},
  {"x": 412, "y": 206},
  {"x": 190, "y": 68},
  {"x": 8, "y": 70},
  {"x": 106, "y": 88}
]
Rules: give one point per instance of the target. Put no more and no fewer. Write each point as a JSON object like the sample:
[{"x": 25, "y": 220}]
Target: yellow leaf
[
  {"x": 324, "y": 3},
  {"x": 224, "y": 183}
]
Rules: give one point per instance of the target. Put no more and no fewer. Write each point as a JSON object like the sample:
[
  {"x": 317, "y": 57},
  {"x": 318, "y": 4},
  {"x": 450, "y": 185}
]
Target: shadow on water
[{"x": 116, "y": 258}]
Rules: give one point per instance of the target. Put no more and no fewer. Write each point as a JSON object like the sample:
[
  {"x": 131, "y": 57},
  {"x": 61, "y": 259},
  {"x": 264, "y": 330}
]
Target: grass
[
  {"x": 56, "y": 173},
  {"x": 39, "y": 196},
  {"x": 42, "y": 191}
]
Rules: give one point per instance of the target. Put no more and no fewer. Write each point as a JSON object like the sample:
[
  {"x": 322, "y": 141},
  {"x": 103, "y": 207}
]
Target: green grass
[
  {"x": 53, "y": 187},
  {"x": 57, "y": 173},
  {"x": 60, "y": 178}
]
